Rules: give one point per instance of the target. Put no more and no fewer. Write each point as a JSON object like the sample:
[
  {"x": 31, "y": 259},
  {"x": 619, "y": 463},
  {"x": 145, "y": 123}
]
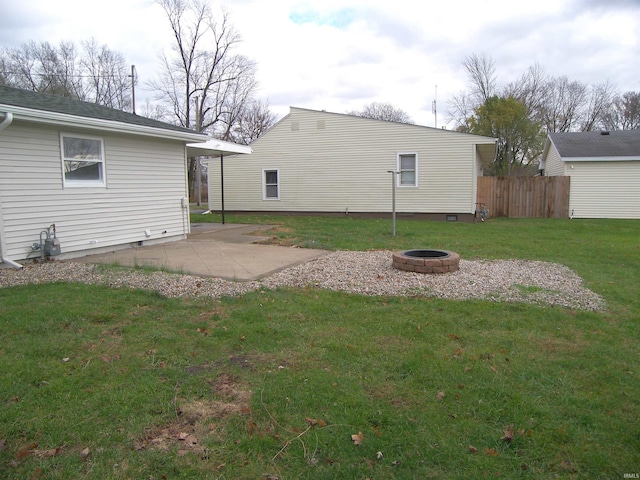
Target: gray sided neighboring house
[
  {"x": 107, "y": 179},
  {"x": 320, "y": 162},
  {"x": 604, "y": 168}
]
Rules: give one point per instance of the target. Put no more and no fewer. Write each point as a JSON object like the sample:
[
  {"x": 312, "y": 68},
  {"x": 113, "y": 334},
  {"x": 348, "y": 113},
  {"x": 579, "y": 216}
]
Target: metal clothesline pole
[{"x": 393, "y": 199}]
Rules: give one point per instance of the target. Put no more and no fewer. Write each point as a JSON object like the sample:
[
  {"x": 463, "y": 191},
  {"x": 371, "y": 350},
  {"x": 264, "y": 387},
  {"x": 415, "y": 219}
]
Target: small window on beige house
[
  {"x": 408, "y": 168},
  {"x": 271, "y": 184}
]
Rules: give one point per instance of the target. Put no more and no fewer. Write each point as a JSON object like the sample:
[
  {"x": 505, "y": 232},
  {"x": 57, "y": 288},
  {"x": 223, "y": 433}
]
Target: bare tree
[
  {"x": 599, "y": 103},
  {"x": 95, "y": 74},
  {"x": 108, "y": 77},
  {"x": 254, "y": 120},
  {"x": 624, "y": 112},
  {"x": 383, "y": 111},
  {"x": 561, "y": 111},
  {"x": 44, "y": 68},
  {"x": 531, "y": 88},
  {"x": 481, "y": 73},
  {"x": 481, "y": 70},
  {"x": 204, "y": 83}
]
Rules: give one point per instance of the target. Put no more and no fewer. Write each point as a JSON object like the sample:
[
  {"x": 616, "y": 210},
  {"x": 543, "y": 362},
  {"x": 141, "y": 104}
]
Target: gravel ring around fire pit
[{"x": 366, "y": 273}]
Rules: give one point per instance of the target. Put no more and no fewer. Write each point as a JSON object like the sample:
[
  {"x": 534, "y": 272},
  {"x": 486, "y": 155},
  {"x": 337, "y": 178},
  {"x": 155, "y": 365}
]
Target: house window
[
  {"x": 408, "y": 168},
  {"x": 271, "y": 185},
  {"x": 82, "y": 161}
]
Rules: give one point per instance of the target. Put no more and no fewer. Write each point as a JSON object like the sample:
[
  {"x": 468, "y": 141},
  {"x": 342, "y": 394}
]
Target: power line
[{"x": 60, "y": 75}]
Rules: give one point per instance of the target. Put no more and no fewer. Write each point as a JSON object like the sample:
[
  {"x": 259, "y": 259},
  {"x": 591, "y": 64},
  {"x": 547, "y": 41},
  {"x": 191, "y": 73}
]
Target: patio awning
[{"x": 216, "y": 148}]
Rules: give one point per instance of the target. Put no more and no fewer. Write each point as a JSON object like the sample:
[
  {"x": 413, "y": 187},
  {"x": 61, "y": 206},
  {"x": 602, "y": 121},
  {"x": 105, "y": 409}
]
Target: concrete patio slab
[{"x": 213, "y": 250}]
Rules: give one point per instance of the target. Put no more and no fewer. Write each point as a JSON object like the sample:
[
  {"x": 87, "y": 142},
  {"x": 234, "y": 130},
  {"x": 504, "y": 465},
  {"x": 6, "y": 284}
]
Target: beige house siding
[
  {"x": 144, "y": 190},
  {"x": 604, "y": 189},
  {"x": 339, "y": 163},
  {"x": 554, "y": 165}
]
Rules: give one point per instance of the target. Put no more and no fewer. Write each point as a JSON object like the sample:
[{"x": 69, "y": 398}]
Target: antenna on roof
[
  {"x": 434, "y": 108},
  {"x": 133, "y": 88}
]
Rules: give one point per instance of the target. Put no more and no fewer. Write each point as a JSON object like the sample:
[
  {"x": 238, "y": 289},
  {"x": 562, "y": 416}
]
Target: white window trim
[
  {"x": 264, "y": 184},
  {"x": 398, "y": 184},
  {"x": 83, "y": 183}
]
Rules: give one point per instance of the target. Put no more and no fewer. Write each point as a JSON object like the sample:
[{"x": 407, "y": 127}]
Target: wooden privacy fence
[{"x": 524, "y": 197}]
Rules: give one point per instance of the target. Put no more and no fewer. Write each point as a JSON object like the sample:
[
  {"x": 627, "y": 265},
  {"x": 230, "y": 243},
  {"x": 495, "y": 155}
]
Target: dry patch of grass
[{"x": 199, "y": 420}]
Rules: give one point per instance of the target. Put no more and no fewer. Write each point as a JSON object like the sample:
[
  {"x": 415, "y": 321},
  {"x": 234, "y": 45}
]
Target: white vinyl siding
[
  {"x": 339, "y": 163},
  {"x": 146, "y": 184},
  {"x": 604, "y": 189}
]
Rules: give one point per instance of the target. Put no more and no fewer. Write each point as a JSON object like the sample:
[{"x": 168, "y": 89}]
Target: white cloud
[{"x": 339, "y": 55}]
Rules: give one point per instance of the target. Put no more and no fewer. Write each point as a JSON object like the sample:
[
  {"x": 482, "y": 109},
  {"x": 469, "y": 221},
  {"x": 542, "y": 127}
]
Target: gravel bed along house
[{"x": 366, "y": 273}]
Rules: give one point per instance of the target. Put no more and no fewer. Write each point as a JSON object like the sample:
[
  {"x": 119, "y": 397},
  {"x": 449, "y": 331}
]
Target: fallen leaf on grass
[
  {"x": 313, "y": 422},
  {"x": 379, "y": 455},
  {"x": 508, "y": 435},
  {"x": 440, "y": 395},
  {"x": 357, "y": 438},
  {"x": 492, "y": 452},
  {"x": 85, "y": 453},
  {"x": 51, "y": 452},
  {"x": 472, "y": 449},
  {"x": 26, "y": 451}
]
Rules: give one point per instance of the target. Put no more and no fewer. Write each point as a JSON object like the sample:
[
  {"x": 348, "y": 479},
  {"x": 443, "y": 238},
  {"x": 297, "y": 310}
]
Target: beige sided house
[
  {"x": 104, "y": 178},
  {"x": 321, "y": 162},
  {"x": 604, "y": 168}
]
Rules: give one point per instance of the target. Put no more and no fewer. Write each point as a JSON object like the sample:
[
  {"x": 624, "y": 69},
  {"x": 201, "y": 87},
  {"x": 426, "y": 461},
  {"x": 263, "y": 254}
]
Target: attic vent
[
  {"x": 321, "y": 125},
  {"x": 295, "y": 126},
  {"x": 604, "y": 132}
]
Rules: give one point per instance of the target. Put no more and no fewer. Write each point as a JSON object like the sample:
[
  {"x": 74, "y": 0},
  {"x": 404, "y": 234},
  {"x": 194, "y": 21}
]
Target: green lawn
[{"x": 306, "y": 383}]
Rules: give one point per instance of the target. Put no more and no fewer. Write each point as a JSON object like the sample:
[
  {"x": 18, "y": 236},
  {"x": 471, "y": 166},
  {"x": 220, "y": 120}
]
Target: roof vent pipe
[
  {"x": 6, "y": 121},
  {"x": 604, "y": 132}
]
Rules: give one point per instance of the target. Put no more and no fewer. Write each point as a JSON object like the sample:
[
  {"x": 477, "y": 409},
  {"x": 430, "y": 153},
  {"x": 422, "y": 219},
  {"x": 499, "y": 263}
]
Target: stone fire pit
[{"x": 427, "y": 261}]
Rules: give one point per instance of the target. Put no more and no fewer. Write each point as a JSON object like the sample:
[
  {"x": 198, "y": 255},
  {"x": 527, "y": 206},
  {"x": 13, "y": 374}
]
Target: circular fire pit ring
[{"x": 427, "y": 261}]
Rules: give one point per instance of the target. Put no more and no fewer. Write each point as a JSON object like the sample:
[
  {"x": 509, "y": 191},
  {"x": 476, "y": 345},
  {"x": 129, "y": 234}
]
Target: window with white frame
[
  {"x": 82, "y": 160},
  {"x": 270, "y": 184},
  {"x": 408, "y": 168}
]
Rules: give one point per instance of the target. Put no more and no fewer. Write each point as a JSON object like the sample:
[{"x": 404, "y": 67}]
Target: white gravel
[{"x": 366, "y": 273}]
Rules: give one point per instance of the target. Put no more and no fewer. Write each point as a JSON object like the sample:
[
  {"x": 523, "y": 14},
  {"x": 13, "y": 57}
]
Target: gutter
[
  {"x": 8, "y": 118},
  {"x": 75, "y": 121}
]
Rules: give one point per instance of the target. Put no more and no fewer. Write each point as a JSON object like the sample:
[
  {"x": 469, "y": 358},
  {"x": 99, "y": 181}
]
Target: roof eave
[
  {"x": 69, "y": 121},
  {"x": 609, "y": 158},
  {"x": 215, "y": 148}
]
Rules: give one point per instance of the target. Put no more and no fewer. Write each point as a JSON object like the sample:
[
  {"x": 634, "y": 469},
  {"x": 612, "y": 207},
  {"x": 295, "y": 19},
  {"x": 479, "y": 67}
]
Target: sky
[{"x": 340, "y": 55}]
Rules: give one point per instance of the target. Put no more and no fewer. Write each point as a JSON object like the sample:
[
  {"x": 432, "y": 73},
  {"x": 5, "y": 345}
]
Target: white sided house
[
  {"x": 90, "y": 177},
  {"x": 320, "y": 162},
  {"x": 604, "y": 168}
]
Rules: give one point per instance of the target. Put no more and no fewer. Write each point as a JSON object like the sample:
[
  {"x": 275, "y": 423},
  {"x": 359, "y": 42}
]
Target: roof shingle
[
  {"x": 617, "y": 143},
  {"x": 51, "y": 103}
]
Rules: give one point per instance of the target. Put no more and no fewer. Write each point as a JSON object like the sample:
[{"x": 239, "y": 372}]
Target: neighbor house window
[
  {"x": 271, "y": 185},
  {"x": 408, "y": 168},
  {"x": 82, "y": 160}
]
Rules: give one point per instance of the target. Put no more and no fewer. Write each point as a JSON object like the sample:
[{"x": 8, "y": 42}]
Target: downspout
[
  {"x": 8, "y": 261},
  {"x": 6, "y": 121},
  {"x": 8, "y": 118}
]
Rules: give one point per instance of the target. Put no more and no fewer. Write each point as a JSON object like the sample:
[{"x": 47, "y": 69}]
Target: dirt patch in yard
[{"x": 198, "y": 420}]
